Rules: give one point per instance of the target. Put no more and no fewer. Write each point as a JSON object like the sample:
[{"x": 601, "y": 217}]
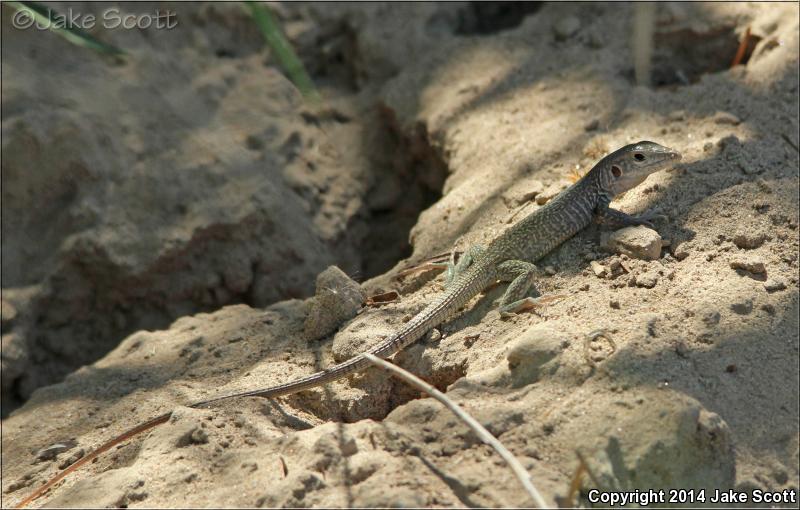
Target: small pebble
[
  {"x": 550, "y": 270},
  {"x": 638, "y": 242},
  {"x": 599, "y": 269},
  {"x": 592, "y": 125},
  {"x": 743, "y": 307},
  {"x": 750, "y": 263},
  {"x": 677, "y": 116},
  {"x": 72, "y": 459},
  {"x": 7, "y": 313},
  {"x": 749, "y": 240},
  {"x": 52, "y": 451},
  {"x": 614, "y": 304},
  {"x": 726, "y": 118},
  {"x": 680, "y": 251},
  {"x": 647, "y": 280},
  {"x": 197, "y": 435},
  {"x": 566, "y": 27},
  {"x": 774, "y": 284}
]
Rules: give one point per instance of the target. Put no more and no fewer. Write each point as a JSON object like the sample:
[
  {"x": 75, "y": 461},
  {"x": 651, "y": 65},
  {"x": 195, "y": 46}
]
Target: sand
[{"x": 165, "y": 220}]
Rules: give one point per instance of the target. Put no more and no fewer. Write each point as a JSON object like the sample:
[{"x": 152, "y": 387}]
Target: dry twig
[{"x": 521, "y": 473}]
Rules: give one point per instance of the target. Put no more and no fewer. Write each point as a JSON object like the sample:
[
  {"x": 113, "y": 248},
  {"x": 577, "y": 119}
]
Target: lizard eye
[
  {"x": 638, "y": 156},
  {"x": 616, "y": 171}
]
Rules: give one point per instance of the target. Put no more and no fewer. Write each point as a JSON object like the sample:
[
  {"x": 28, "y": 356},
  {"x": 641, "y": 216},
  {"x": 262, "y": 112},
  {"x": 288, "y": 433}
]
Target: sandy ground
[{"x": 164, "y": 221}]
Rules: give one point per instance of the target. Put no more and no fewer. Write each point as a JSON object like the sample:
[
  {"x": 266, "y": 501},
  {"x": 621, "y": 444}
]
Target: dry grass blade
[
  {"x": 436, "y": 262},
  {"x": 58, "y": 23},
  {"x": 521, "y": 473},
  {"x": 382, "y": 299},
  {"x": 737, "y": 59},
  {"x": 644, "y": 19},
  {"x": 283, "y": 51}
]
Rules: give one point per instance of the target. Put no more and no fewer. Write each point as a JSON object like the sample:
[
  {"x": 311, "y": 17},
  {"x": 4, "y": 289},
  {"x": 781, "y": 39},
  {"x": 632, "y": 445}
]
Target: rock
[
  {"x": 774, "y": 284},
  {"x": 592, "y": 125},
  {"x": 52, "y": 451},
  {"x": 7, "y": 314},
  {"x": 72, "y": 459},
  {"x": 566, "y": 27},
  {"x": 647, "y": 280},
  {"x": 664, "y": 444},
  {"x": 726, "y": 118},
  {"x": 680, "y": 250},
  {"x": 535, "y": 354},
  {"x": 743, "y": 307},
  {"x": 599, "y": 269},
  {"x": 638, "y": 242},
  {"x": 337, "y": 300},
  {"x": 750, "y": 263},
  {"x": 677, "y": 116},
  {"x": 13, "y": 362},
  {"x": 749, "y": 240},
  {"x": 195, "y": 435}
]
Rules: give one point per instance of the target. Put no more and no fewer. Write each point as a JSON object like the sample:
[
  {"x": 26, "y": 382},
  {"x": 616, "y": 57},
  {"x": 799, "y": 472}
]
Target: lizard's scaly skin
[{"x": 529, "y": 240}]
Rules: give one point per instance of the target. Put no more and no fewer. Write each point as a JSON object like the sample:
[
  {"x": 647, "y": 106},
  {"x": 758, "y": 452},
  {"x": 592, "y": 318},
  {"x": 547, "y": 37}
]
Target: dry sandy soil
[{"x": 165, "y": 219}]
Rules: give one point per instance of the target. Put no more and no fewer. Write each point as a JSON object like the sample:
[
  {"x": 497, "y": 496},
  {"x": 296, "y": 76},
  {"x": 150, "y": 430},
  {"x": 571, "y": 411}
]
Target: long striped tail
[{"x": 445, "y": 305}]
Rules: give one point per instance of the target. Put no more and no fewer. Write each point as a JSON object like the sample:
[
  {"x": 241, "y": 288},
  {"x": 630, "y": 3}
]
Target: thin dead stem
[{"x": 522, "y": 474}]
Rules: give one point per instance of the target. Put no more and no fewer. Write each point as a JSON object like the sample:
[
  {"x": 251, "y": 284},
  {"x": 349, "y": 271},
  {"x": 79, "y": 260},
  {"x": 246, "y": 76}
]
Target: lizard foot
[
  {"x": 648, "y": 218},
  {"x": 528, "y": 303}
]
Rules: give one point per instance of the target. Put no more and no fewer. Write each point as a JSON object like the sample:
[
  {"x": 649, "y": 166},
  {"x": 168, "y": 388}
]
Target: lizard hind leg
[
  {"x": 521, "y": 275},
  {"x": 454, "y": 269}
]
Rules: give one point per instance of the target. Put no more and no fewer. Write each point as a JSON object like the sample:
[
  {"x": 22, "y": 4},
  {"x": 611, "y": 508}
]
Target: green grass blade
[
  {"x": 59, "y": 24},
  {"x": 283, "y": 50}
]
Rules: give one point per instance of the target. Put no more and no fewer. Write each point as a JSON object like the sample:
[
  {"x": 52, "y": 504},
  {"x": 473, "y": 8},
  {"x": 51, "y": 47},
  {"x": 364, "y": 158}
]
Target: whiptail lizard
[{"x": 509, "y": 258}]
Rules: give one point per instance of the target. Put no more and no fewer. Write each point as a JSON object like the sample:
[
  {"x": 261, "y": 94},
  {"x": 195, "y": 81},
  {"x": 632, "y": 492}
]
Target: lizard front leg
[{"x": 606, "y": 215}]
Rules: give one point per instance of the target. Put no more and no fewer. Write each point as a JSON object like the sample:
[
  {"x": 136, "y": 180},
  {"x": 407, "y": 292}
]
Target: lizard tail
[
  {"x": 158, "y": 420},
  {"x": 433, "y": 314}
]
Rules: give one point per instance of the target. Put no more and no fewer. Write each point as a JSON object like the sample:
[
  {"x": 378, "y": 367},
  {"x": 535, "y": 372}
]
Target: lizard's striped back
[{"x": 539, "y": 233}]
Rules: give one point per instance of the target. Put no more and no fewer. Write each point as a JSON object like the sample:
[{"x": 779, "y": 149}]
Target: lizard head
[{"x": 627, "y": 167}]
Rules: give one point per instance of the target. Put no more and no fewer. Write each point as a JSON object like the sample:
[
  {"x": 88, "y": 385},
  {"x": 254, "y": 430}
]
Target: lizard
[{"x": 510, "y": 257}]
